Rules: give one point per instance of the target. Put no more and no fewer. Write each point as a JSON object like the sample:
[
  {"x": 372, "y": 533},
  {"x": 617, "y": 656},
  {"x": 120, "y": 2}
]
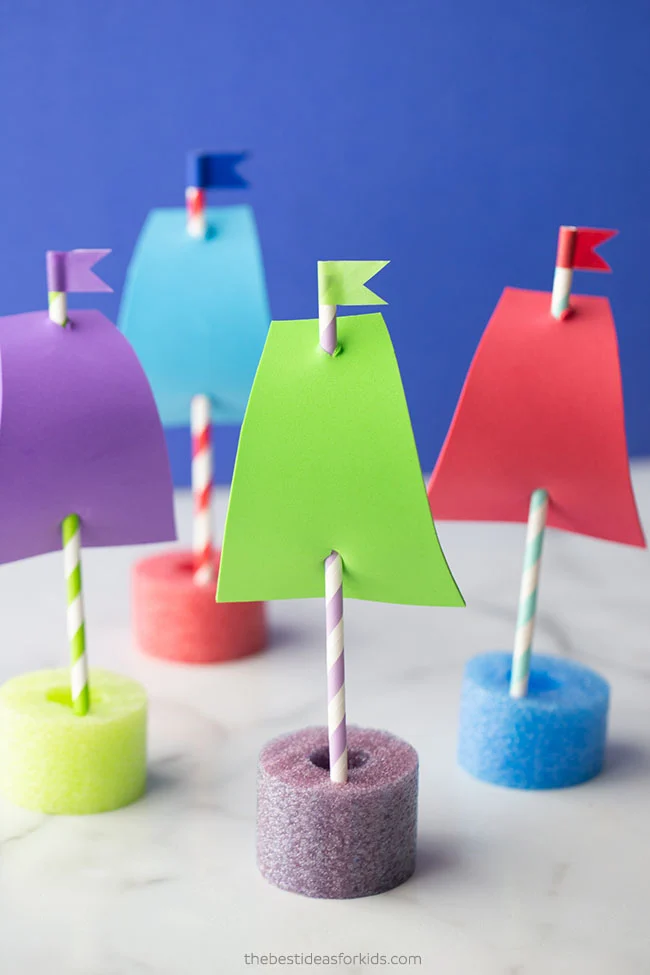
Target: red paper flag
[
  {"x": 584, "y": 257},
  {"x": 542, "y": 407}
]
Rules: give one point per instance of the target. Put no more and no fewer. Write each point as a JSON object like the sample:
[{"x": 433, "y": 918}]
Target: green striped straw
[
  {"x": 71, "y": 538},
  {"x": 71, "y": 535},
  {"x": 528, "y": 593},
  {"x": 57, "y": 307},
  {"x": 72, "y": 271}
]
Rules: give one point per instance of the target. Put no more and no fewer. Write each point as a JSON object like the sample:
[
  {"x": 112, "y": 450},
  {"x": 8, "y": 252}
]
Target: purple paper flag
[
  {"x": 70, "y": 270},
  {"x": 79, "y": 433}
]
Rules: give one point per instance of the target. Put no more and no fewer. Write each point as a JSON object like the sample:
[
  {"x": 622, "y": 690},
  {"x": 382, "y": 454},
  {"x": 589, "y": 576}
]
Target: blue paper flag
[{"x": 215, "y": 170}]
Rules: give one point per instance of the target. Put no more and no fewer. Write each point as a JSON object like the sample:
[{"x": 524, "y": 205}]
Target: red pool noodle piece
[{"x": 174, "y": 619}]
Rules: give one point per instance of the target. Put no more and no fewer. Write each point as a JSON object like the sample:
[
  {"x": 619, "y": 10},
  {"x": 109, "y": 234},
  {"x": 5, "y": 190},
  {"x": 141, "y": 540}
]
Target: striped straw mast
[
  {"x": 196, "y": 215},
  {"x": 563, "y": 276},
  {"x": 71, "y": 271},
  {"x": 528, "y": 593},
  {"x": 575, "y": 251},
  {"x": 79, "y": 689},
  {"x": 203, "y": 550},
  {"x": 336, "y": 720},
  {"x": 339, "y": 283},
  {"x": 208, "y": 170}
]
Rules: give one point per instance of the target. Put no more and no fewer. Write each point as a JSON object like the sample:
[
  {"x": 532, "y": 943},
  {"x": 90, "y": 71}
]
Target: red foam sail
[{"x": 542, "y": 407}]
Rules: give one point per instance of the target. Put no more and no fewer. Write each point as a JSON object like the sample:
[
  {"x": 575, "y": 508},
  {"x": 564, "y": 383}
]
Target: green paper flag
[
  {"x": 343, "y": 282},
  {"x": 327, "y": 461}
]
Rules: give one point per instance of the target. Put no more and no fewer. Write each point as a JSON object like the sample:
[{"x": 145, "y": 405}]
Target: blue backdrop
[{"x": 451, "y": 137}]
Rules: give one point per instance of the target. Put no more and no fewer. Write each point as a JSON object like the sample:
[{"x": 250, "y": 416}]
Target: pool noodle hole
[
  {"x": 321, "y": 758},
  {"x": 539, "y": 682},
  {"x": 63, "y": 696}
]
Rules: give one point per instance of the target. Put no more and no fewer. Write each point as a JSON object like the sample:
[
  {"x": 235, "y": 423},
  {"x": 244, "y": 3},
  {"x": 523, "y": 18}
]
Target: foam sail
[
  {"x": 542, "y": 406},
  {"x": 79, "y": 431},
  {"x": 327, "y": 460},
  {"x": 195, "y": 305}
]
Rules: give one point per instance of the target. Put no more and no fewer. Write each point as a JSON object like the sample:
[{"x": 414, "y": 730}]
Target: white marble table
[{"x": 508, "y": 883}]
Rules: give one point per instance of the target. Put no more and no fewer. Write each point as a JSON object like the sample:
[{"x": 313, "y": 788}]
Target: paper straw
[
  {"x": 336, "y": 728},
  {"x": 57, "y": 304},
  {"x": 72, "y": 271},
  {"x": 202, "y": 490},
  {"x": 327, "y": 328},
  {"x": 326, "y": 318},
  {"x": 71, "y": 536},
  {"x": 563, "y": 277},
  {"x": 196, "y": 212},
  {"x": 528, "y": 593}
]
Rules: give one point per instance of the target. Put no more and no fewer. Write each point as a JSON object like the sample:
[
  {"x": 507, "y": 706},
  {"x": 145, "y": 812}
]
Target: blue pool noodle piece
[
  {"x": 196, "y": 311},
  {"x": 550, "y": 739}
]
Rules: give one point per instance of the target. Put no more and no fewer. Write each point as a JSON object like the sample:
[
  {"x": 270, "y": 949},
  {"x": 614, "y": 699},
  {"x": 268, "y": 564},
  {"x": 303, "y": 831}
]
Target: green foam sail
[{"x": 327, "y": 461}]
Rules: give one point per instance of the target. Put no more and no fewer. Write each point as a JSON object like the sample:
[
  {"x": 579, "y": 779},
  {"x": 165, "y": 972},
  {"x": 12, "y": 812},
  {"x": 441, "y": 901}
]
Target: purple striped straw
[
  {"x": 338, "y": 744},
  {"x": 327, "y": 328},
  {"x": 336, "y": 729}
]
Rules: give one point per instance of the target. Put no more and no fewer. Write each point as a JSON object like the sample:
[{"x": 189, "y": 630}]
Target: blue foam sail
[{"x": 196, "y": 311}]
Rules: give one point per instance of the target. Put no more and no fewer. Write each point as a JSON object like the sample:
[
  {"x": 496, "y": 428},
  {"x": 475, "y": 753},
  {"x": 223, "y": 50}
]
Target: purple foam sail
[{"x": 79, "y": 433}]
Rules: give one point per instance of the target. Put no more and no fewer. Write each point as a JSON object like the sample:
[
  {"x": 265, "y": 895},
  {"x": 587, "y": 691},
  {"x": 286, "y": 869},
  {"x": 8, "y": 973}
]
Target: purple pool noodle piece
[
  {"x": 79, "y": 433},
  {"x": 321, "y": 839}
]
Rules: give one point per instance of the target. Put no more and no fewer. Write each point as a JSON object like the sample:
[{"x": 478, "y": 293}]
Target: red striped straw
[
  {"x": 202, "y": 490},
  {"x": 196, "y": 211}
]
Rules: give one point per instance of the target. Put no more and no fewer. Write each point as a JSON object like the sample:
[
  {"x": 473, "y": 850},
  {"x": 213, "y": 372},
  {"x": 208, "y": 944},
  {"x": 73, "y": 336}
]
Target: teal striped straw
[{"x": 528, "y": 593}]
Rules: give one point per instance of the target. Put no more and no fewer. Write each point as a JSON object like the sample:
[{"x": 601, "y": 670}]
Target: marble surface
[{"x": 507, "y": 883}]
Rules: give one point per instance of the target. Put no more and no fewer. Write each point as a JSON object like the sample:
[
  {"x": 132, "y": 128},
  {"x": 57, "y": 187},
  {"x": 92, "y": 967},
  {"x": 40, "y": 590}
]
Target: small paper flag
[
  {"x": 585, "y": 257},
  {"x": 71, "y": 270},
  {"x": 577, "y": 248},
  {"x": 213, "y": 170},
  {"x": 344, "y": 282}
]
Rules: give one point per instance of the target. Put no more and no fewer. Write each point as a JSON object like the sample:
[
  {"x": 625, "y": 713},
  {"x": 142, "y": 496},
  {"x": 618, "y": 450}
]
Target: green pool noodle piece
[
  {"x": 327, "y": 461},
  {"x": 54, "y": 761}
]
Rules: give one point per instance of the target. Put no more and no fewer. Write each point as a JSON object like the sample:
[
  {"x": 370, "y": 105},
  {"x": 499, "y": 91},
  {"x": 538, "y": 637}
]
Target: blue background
[{"x": 451, "y": 137}]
